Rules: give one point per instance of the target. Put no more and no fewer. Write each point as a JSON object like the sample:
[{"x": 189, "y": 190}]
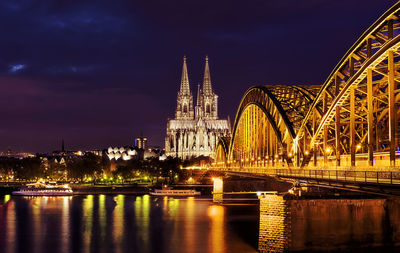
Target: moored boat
[{"x": 44, "y": 189}]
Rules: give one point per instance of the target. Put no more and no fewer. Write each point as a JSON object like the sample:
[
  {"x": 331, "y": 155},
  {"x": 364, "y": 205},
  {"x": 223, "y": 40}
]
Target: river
[{"x": 128, "y": 223}]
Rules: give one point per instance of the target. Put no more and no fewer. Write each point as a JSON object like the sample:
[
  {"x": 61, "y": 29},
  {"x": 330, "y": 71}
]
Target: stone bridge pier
[
  {"x": 236, "y": 185},
  {"x": 218, "y": 189}
]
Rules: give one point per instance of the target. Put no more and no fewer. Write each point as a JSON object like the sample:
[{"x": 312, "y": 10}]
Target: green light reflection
[
  {"x": 102, "y": 216},
  {"x": 142, "y": 218},
  {"x": 88, "y": 222}
]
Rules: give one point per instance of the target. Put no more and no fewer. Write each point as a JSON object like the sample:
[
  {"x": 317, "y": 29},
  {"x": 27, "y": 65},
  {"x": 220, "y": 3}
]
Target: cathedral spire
[
  {"x": 207, "y": 89},
  {"x": 184, "y": 105},
  {"x": 198, "y": 103},
  {"x": 185, "y": 90},
  {"x": 198, "y": 95}
]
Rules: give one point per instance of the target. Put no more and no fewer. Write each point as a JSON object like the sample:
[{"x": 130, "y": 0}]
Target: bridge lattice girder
[
  {"x": 278, "y": 111},
  {"x": 354, "y": 111}
]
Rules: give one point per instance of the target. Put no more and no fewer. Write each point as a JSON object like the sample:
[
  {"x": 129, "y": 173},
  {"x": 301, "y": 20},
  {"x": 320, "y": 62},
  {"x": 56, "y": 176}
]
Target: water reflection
[
  {"x": 7, "y": 198},
  {"x": 190, "y": 228},
  {"x": 65, "y": 225},
  {"x": 37, "y": 204},
  {"x": 10, "y": 227},
  {"x": 87, "y": 210},
  {"x": 142, "y": 214},
  {"x": 102, "y": 216},
  {"x": 124, "y": 223},
  {"x": 217, "y": 234},
  {"x": 118, "y": 216}
]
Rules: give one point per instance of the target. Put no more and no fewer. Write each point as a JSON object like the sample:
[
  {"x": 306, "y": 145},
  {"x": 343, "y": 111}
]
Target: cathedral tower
[
  {"x": 184, "y": 107},
  {"x": 193, "y": 134},
  {"x": 210, "y": 99}
]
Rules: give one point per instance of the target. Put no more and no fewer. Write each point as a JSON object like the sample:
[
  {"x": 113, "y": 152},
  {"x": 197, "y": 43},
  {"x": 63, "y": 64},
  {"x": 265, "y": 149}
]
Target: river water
[{"x": 126, "y": 223}]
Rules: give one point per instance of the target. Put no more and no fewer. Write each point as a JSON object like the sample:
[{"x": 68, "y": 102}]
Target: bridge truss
[{"x": 352, "y": 119}]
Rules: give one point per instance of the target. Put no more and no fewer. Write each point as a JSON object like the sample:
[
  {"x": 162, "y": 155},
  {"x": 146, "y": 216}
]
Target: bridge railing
[{"x": 356, "y": 176}]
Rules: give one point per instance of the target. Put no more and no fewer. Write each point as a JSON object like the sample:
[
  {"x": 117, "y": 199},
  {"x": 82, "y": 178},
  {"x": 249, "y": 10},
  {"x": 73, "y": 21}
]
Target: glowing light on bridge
[{"x": 348, "y": 121}]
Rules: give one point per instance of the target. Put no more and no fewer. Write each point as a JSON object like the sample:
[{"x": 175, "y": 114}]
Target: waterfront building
[{"x": 195, "y": 130}]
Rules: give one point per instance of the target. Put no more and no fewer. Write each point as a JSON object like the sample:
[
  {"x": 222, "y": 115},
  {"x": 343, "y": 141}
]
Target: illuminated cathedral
[{"x": 195, "y": 130}]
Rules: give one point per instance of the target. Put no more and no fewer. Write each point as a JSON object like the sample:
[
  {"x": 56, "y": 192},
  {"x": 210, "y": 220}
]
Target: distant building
[
  {"x": 141, "y": 142},
  {"x": 97, "y": 152},
  {"x": 19, "y": 155},
  {"x": 123, "y": 153},
  {"x": 127, "y": 153},
  {"x": 195, "y": 131}
]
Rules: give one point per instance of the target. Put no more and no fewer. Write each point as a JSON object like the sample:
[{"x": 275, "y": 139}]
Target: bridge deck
[{"x": 388, "y": 178}]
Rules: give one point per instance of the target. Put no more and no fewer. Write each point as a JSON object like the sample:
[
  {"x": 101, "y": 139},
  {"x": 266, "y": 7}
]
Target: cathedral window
[
  {"x": 207, "y": 108},
  {"x": 185, "y": 108}
]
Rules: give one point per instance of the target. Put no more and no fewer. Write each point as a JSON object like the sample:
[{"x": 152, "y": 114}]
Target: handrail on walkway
[{"x": 353, "y": 176}]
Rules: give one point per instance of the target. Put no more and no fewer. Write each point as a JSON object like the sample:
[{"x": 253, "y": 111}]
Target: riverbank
[
  {"x": 93, "y": 189},
  {"x": 107, "y": 189}
]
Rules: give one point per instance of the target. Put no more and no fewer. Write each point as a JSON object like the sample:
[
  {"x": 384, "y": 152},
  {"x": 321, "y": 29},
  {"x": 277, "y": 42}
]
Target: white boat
[
  {"x": 43, "y": 189},
  {"x": 171, "y": 192}
]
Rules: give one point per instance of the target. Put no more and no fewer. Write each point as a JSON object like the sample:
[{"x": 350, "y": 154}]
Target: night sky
[{"x": 101, "y": 72}]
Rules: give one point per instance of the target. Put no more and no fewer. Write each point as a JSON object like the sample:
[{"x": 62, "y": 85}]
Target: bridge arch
[
  {"x": 353, "y": 116},
  {"x": 265, "y": 125},
  {"x": 222, "y": 151}
]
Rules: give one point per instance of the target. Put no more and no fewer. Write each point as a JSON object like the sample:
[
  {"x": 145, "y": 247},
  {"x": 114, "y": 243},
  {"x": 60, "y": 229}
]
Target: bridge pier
[
  {"x": 218, "y": 190},
  {"x": 274, "y": 224}
]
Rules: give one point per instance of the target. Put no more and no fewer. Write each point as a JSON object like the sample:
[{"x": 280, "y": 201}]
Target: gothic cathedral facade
[{"x": 195, "y": 131}]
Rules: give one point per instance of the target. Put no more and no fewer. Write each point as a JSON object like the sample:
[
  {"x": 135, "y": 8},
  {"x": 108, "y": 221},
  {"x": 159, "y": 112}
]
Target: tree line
[{"x": 90, "y": 167}]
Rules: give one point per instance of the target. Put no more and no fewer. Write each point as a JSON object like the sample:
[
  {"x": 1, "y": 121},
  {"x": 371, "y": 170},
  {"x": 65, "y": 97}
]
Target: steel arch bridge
[{"x": 352, "y": 119}]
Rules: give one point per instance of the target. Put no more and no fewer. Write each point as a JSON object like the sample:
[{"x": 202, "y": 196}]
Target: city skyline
[{"x": 98, "y": 74}]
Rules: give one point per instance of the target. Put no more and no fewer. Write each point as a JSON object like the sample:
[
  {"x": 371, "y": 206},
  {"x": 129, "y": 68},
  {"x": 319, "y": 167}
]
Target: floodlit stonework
[{"x": 195, "y": 131}]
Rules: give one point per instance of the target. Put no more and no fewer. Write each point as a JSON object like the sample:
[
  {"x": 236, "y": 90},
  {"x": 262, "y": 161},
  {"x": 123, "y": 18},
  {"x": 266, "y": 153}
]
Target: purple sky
[{"x": 101, "y": 72}]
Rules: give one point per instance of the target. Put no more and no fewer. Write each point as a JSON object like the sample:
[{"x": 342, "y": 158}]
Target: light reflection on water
[
  {"x": 118, "y": 216},
  {"x": 216, "y": 237},
  {"x": 123, "y": 223},
  {"x": 10, "y": 226},
  {"x": 116, "y": 223},
  {"x": 37, "y": 204},
  {"x": 190, "y": 226},
  {"x": 65, "y": 224},
  {"x": 87, "y": 210},
  {"x": 102, "y": 216}
]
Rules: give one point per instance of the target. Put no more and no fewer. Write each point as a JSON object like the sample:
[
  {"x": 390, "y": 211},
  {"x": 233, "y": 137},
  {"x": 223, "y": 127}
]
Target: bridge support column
[
  {"x": 218, "y": 190},
  {"x": 274, "y": 224},
  {"x": 337, "y": 124},
  {"x": 370, "y": 118},
  {"x": 325, "y": 137},
  {"x": 315, "y": 147},
  {"x": 392, "y": 108},
  {"x": 352, "y": 128}
]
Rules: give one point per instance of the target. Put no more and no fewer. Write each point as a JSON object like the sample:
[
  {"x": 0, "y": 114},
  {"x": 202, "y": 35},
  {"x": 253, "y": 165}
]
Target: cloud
[{"x": 16, "y": 68}]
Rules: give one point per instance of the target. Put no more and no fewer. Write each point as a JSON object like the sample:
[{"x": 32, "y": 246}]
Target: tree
[
  {"x": 29, "y": 168},
  {"x": 89, "y": 165}
]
